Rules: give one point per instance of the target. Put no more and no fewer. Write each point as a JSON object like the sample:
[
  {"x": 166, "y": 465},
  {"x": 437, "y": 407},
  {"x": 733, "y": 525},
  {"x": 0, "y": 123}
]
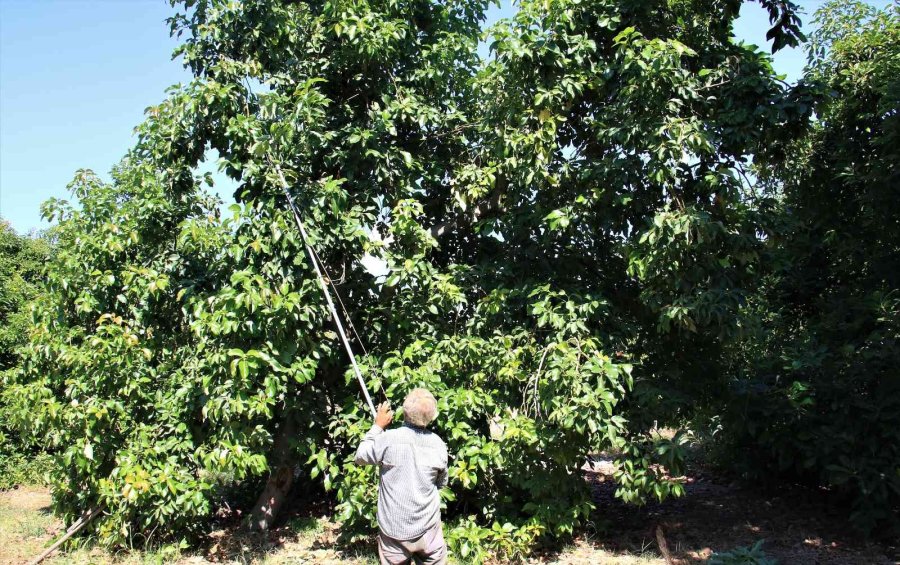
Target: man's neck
[{"x": 415, "y": 427}]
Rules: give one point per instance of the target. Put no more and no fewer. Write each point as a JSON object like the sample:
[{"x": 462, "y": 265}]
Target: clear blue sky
[{"x": 75, "y": 77}]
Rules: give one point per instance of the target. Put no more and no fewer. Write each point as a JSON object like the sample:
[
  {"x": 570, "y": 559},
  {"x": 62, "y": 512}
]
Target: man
[{"x": 413, "y": 464}]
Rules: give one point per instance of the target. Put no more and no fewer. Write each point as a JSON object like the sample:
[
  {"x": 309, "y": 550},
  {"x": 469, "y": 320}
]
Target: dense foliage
[
  {"x": 22, "y": 259},
  {"x": 565, "y": 231},
  {"x": 818, "y": 399}
]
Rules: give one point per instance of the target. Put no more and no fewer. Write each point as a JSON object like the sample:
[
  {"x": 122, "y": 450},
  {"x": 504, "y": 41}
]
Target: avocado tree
[
  {"x": 22, "y": 258},
  {"x": 557, "y": 228},
  {"x": 815, "y": 398}
]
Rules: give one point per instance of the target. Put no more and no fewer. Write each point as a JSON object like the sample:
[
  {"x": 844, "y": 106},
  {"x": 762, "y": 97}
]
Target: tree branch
[{"x": 490, "y": 207}]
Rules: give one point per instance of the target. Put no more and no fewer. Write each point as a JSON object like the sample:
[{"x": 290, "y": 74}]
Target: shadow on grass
[
  {"x": 798, "y": 526},
  {"x": 304, "y": 533}
]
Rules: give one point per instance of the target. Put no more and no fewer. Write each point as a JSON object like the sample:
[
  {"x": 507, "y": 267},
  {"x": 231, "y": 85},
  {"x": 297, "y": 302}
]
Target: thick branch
[{"x": 491, "y": 207}]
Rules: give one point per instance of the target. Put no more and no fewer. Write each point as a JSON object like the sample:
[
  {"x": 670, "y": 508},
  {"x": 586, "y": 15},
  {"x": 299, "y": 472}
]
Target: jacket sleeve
[{"x": 368, "y": 453}]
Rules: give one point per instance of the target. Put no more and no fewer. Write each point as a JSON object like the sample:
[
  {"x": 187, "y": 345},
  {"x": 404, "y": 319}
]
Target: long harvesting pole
[{"x": 334, "y": 315}]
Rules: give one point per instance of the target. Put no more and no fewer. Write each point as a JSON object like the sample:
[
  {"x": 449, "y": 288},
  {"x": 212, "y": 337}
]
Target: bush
[
  {"x": 22, "y": 260},
  {"x": 17, "y": 469},
  {"x": 742, "y": 556}
]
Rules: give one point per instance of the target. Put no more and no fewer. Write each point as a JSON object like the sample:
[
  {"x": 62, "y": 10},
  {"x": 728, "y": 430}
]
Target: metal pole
[{"x": 334, "y": 314}]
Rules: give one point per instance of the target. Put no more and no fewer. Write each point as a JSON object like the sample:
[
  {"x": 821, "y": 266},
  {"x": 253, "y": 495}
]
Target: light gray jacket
[{"x": 413, "y": 465}]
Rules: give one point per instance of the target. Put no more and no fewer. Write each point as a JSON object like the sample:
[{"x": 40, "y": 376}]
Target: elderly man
[{"x": 413, "y": 464}]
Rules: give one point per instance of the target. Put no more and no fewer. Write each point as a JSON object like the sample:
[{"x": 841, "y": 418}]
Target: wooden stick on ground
[{"x": 73, "y": 529}]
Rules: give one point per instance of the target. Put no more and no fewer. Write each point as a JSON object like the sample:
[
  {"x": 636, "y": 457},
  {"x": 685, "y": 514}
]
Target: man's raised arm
[{"x": 366, "y": 453}]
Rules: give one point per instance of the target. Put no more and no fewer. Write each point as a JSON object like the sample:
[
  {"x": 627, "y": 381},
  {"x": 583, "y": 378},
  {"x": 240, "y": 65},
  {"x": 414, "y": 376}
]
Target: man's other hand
[{"x": 384, "y": 416}]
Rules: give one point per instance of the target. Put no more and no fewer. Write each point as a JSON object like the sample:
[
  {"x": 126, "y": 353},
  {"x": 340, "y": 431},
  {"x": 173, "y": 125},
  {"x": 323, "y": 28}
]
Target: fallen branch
[{"x": 73, "y": 529}]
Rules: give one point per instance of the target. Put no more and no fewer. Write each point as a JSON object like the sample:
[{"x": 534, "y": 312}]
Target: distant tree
[{"x": 22, "y": 260}]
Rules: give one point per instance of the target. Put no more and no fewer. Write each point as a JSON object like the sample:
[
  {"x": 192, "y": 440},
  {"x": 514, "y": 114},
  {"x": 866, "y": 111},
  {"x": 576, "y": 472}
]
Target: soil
[{"x": 799, "y": 526}]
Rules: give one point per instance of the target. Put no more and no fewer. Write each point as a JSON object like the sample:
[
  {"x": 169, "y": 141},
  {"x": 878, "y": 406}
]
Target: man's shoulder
[
  {"x": 438, "y": 440},
  {"x": 405, "y": 434},
  {"x": 391, "y": 435},
  {"x": 399, "y": 434},
  {"x": 442, "y": 448}
]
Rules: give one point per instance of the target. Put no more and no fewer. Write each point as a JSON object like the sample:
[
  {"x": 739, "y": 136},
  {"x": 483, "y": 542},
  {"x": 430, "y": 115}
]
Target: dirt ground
[
  {"x": 798, "y": 525},
  {"x": 798, "y": 528}
]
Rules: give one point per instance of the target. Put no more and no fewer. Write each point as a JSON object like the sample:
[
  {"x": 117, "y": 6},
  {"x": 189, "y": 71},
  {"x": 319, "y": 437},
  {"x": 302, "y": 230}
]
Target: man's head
[{"x": 419, "y": 408}]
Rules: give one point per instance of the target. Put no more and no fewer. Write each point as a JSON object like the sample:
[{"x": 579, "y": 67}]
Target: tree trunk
[{"x": 272, "y": 498}]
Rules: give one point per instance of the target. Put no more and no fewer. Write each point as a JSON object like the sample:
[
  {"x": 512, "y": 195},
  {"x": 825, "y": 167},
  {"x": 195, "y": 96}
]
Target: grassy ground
[
  {"x": 27, "y": 527},
  {"x": 714, "y": 516}
]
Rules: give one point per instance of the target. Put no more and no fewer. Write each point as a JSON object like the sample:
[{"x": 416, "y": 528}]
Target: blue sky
[{"x": 76, "y": 76}]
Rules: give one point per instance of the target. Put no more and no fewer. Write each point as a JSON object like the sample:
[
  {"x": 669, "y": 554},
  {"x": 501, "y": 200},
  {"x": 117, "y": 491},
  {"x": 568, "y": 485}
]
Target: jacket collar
[{"x": 415, "y": 427}]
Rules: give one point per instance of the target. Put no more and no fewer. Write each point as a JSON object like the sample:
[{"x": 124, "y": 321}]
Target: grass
[{"x": 27, "y": 526}]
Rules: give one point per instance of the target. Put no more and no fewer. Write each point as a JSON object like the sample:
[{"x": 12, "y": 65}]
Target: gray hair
[{"x": 420, "y": 407}]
